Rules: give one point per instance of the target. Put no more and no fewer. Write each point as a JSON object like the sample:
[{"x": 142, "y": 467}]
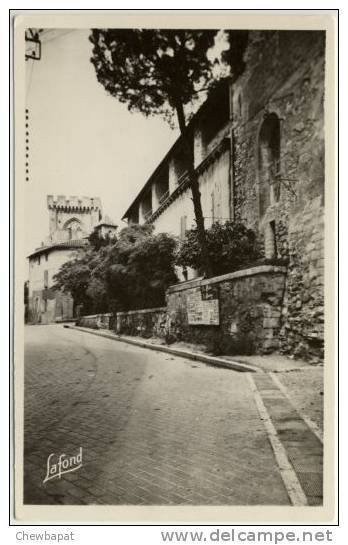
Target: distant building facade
[
  {"x": 106, "y": 228},
  {"x": 258, "y": 148},
  {"x": 71, "y": 221}
]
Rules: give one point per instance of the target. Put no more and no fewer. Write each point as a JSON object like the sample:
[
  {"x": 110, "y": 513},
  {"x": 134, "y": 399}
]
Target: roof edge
[
  {"x": 71, "y": 244},
  {"x": 214, "y": 92}
]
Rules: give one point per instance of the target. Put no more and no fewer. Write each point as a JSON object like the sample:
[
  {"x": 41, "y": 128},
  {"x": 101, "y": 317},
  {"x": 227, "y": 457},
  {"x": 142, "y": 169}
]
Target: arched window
[
  {"x": 73, "y": 226},
  {"x": 268, "y": 158}
]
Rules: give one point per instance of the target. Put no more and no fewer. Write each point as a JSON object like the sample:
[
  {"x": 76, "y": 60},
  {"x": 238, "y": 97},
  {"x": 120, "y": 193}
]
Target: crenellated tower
[{"x": 72, "y": 218}]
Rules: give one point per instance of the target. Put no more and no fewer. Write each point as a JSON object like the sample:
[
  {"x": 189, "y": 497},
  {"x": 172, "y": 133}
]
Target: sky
[{"x": 82, "y": 141}]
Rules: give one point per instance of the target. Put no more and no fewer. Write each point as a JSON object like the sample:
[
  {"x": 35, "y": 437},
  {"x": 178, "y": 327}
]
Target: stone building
[
  {"x": 106, "y": 228},
  {"x": 279, "y": 182},
  {"x": 166, "y": 201},
  {"x": 71, "y": 220},
  {"x": 258, "y": 148}
]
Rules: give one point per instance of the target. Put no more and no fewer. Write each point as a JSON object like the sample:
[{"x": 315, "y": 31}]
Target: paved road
[{"x": 154, "y": 429}]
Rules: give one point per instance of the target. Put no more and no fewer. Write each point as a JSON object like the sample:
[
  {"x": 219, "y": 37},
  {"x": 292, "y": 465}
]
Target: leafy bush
[
  {"x": 231, "y": 246},
  {"x": 169, "y": 338},
  {"x": 138, "y": 269},
  {"x": 131, "y": 272},
  {"x": 223, "y": 344}
]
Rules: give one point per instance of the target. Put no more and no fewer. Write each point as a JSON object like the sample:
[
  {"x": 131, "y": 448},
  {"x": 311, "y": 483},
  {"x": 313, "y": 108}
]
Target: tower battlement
[
  {"x": 72, "y": 216},
  {"x": 73, "y": 203}
]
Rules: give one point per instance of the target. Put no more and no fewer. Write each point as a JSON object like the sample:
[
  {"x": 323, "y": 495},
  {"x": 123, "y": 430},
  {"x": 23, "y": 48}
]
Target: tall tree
[{"x": 159, "y": 72}]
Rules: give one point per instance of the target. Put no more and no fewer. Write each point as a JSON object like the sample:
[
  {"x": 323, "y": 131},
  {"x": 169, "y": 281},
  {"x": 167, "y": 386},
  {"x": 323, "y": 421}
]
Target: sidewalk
[
  {"x": 301, "y": 382},
  {"x": 175, "y": 349}
]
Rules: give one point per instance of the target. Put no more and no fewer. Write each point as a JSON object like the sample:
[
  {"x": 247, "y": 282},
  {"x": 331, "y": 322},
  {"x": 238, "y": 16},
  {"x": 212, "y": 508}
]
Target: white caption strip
[{"x": 287, "y": 472}]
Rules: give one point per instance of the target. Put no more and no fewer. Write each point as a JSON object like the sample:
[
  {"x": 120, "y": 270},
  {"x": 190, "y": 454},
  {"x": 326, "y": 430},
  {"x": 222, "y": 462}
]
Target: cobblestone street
[{"x": 154, "y": 428}]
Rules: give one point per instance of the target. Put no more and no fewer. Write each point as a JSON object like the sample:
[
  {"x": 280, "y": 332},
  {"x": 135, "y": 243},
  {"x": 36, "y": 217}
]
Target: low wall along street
[
  {"x": 237, "y": 313},
  {"x": 145, "y": 323},
  {"x": 97, "y": 321}
]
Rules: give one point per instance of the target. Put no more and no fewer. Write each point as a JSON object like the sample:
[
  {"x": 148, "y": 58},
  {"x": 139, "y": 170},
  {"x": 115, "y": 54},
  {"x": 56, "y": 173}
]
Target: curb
[{"x": 218, "y": 362}]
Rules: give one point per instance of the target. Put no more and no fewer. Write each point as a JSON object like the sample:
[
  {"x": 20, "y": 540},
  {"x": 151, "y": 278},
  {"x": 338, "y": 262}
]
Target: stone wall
[
  {"x": 97, "y": 321},
  {"x": 237, "y": 313},
  {"x": 284, "y": 80},
  {"x": 145, "y": 323},
  {"x": 249, "y": 310},
  {"x": 303, "y": 313}
]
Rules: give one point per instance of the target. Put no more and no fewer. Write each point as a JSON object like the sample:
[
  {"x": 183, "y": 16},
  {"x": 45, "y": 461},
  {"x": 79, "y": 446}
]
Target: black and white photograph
[{"x": 173, "y": 198}]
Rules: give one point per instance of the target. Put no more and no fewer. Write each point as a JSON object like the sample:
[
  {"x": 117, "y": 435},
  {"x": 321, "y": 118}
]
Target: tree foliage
[
  {"x": 74, "y": 276},
  {"x": 158, "y": 71},
  {"x": 231, "y": 246},
  {"x": 135, "y": 270},
  {"x": 138, "y": 269},
  {"x": 131, "y": 272},
  {"x": 98, "y": 241},
  {"x": 151, "y": 70},
  {"x": 234, "y": 55}
]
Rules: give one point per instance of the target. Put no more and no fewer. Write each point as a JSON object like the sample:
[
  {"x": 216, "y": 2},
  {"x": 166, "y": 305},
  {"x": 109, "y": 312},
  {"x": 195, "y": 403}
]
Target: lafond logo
[{"x": 58, "y": 465}]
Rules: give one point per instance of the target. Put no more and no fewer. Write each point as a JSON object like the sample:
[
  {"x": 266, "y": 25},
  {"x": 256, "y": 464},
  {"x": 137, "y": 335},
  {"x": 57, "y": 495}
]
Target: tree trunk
[{"x": 196, "y": 194}]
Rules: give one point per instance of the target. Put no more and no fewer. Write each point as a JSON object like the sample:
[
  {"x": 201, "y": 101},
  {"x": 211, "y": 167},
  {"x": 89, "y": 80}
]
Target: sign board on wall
[{"x": 203, "y": 306}]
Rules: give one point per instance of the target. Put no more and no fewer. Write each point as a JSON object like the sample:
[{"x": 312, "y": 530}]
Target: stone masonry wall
[
  {"x": 96, "y": 321},
  {"x": 250, "y": 311},
  {"x": 284, "y": 77},
  {"x": 302, "y": 333},
  {"x": 237, "y": 313},
  {"x": 144, "y": 323}
]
